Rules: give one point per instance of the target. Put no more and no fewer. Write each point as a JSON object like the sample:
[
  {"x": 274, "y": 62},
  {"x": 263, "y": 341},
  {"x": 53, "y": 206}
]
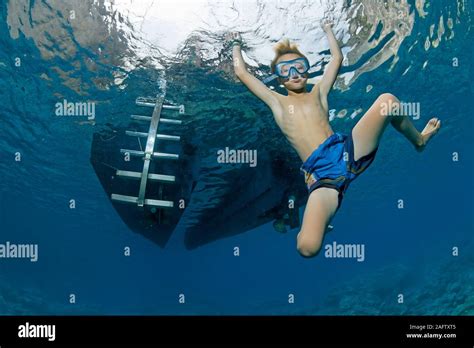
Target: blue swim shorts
[{"x": 332, "y": 164}]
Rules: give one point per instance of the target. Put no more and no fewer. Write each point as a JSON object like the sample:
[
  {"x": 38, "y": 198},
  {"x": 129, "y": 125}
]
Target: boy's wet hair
[{"x": 284, "y": 47}]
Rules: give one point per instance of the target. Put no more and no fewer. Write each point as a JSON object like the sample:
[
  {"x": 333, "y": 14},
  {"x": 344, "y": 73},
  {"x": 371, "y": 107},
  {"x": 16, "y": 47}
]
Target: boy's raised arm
[
  {"x": 332, "y": 69},
  {"x": 257, "y": 87}
]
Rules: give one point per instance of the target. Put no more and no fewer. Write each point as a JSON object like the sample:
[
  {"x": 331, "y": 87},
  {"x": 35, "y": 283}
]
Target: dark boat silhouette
[{"x": 241, "y": 199}]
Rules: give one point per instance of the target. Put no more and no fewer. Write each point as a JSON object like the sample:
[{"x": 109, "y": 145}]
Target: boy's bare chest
[{"x": 305, "y": 107}]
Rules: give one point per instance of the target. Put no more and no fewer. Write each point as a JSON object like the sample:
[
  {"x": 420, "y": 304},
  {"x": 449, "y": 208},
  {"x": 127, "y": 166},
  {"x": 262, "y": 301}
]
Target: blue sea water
[{"x": 46, "y": 57}]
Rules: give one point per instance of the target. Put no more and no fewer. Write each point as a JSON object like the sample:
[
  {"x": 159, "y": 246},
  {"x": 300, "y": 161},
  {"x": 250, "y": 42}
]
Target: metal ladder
[{"x": 149, "y": 154}]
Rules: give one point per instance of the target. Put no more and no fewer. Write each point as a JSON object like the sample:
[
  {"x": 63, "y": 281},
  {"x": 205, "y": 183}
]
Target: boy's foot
[{"x": 431, "y": 129}]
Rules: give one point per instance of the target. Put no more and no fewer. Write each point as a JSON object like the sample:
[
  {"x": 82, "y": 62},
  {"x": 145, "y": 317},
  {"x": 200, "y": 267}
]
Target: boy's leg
[
  {"x": 368, "y": 131},
  {"x": 320, "y": 208}
]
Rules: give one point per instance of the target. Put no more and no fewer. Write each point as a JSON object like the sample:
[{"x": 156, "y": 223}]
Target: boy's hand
[
  {"x": 234, "y": 38},
  {"x": 326, "y": 24}
]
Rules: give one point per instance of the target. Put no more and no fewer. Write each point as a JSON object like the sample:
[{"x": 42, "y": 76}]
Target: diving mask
[{"x": 289, "y": 68}]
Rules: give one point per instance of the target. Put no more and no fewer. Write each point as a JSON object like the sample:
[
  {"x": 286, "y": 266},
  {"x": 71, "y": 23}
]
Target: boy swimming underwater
[{"x": 330, "y": 160}]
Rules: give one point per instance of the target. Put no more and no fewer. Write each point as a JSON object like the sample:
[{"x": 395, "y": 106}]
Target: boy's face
[{"x": 293, "y": 82}]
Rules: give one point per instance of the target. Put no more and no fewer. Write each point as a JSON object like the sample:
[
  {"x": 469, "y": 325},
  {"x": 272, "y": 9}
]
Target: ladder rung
[
  {"x": 138, "y": 175},
  {"x": 150, "y": 102},
  {"x": 165, "y": 155},
  {"x": 152, "y": 202},
  {"x": 148, "y": 118},
  {"x": 159, "y": 203},
  {"x": 170, "y": 121},
  {"x": 158, "y": 136},
  {"x": 173, "y": 107},
  {"x": 155, "y": 154},
  {"x": 136, "y": 134},
  {"x": 168, "y": 137},
  {"x": 144, "y": 103}
]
